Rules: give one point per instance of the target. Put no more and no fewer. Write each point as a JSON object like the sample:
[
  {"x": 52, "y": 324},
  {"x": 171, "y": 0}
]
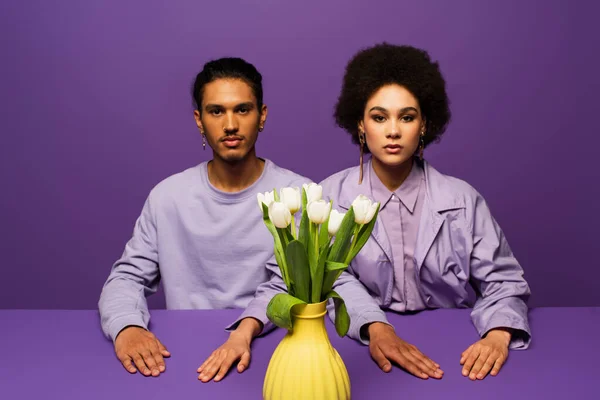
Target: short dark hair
[
  {"x": 224, "y": 68},
  {"x": 384, "y": 64}
]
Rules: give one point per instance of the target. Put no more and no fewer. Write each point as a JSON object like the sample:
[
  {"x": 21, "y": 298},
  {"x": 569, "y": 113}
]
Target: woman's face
[{"x": 392, "y": 123}]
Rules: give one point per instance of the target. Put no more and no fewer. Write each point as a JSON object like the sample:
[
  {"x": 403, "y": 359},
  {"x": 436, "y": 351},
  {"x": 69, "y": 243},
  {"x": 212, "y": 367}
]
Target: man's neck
[{"x": 237, "y": 176}]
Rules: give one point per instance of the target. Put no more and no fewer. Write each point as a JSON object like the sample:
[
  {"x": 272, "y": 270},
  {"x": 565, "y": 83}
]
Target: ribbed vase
[{"x": 304, "y": 365}]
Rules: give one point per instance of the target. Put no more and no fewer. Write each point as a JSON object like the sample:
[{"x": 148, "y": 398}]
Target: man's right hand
[
  {"x": 139, "y": 349},
  {"x": 387, "y": 348}
]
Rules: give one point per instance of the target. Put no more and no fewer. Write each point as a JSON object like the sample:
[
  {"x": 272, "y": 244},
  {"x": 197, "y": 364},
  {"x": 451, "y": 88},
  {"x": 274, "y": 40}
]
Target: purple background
[{"x": 95, "y": 110}]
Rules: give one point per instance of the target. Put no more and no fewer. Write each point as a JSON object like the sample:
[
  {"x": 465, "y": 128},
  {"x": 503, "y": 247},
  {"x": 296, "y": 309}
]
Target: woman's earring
[
  {"x": 421, "y": 145},
  {"x": 203, "y": 140},
  {"x": 361, "y": 139}
]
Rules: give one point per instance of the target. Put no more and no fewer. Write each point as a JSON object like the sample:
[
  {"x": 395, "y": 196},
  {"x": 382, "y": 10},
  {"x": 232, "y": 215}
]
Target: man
[{"x": 200, "y": 231}]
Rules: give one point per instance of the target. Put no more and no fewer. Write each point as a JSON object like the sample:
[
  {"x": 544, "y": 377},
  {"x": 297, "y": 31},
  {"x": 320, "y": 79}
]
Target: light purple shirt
[
  {"x": 400, "y": 213},
  {"x": 209, "y": 248}
]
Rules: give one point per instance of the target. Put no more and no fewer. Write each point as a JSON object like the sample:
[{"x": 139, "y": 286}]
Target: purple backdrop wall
[{"x": 95, "y": 110}]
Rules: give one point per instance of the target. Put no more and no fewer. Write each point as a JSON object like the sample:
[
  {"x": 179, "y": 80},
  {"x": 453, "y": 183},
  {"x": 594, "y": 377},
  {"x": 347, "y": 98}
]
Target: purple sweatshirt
[{"x": 208, "y": 247}]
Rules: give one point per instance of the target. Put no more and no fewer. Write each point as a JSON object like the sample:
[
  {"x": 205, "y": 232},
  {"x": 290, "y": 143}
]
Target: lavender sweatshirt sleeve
[
  {"x": 257, "y": 308},
  {"x": 134, "y": 276}
]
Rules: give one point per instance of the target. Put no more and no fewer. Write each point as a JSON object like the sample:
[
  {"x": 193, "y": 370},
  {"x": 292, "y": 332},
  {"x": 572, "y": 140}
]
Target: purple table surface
[{"x": 63, "y": 355}]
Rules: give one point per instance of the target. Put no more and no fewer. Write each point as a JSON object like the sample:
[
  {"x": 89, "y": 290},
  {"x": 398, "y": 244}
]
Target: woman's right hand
[{"x": 387, "y": 348}]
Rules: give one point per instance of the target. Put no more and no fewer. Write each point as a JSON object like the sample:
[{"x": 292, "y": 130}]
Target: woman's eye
[
  {"x": 215, "y": 112},
  {"x": 378, "y": 118},
  {"x": 408, "y": 118}
]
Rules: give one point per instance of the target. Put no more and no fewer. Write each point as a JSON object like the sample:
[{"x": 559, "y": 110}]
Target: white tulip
[
  {"x": 279, "y": 214},
  {"x": 318, "y": 211},
  {"x": 371, "y": 213},
  {"x": 265, "y": 198},
  {"x": 290, "y": 196},
  {"x": 313, "y": 191},
  {"x": 364, "y": 209},
  {"x": 335, "y": 220}
]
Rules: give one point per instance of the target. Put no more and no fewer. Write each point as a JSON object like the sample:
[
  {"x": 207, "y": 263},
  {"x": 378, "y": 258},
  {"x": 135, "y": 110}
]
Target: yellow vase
[{"x": 304, "y": 365}]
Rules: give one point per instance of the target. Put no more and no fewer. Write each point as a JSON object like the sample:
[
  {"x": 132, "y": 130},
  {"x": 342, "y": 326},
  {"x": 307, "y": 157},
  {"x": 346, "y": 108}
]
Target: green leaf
[
  {"x": 265, "y": 211},
  {"x": 304, "y": 199},
  {"x": 278, "y": 250},
  {"x": 335, "y": 266},
  {"x": 285, "y": 235},
  {"x": 276, "y": 194},
  {"x": 313, "y": 251},
  {"x": 303, "y": 232},
  {"x": 299, "y": 269},
  {"x": 317, "y": 275},
  {"x": 343, "y": 237},
  {"x": 333, "y": 270},
  {"x": 362, "y": 237},
  {"x": 279, "y": 310},
  {"x": 342, "y": 319}
]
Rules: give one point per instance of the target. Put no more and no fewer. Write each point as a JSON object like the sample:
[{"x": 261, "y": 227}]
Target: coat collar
[{"x": 440, "y": 196}]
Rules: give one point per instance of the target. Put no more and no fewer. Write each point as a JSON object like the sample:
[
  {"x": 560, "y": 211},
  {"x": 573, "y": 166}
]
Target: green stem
[
  {"x": 354, "y": 240},
  {"x": 293, "y": 228},
  {"x": 317, "y": 241}
]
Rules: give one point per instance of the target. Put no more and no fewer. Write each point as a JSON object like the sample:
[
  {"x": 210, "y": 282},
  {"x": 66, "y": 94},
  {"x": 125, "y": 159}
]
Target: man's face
[{"x": 230, "y": 119}]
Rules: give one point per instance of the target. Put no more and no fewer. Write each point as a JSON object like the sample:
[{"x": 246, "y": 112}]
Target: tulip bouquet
[{"x": 314, "y": 254}]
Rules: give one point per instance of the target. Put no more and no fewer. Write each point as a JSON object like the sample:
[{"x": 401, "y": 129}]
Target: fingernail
[
  {"x": 480, "y": 376},
  {"x": 465, "y": 372},
  {"x": 161, "y": 368},
  {"x": 472, "y": 376},
  {"x": 241, "y": 369}
]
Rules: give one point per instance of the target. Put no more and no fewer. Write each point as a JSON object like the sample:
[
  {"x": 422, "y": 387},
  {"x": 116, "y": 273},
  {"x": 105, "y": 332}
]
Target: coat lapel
[
  {"x": 353, "y": 189},
  {"x": 438, "y": 199}
]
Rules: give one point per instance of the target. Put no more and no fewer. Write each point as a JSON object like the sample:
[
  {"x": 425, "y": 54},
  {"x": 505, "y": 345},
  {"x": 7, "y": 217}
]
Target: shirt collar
[{"x": 407, "y": 192}]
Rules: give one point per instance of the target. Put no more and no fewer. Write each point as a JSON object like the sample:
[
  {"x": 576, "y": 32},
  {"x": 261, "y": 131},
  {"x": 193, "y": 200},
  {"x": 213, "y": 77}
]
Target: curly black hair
[{"x": 384, "y": 64}]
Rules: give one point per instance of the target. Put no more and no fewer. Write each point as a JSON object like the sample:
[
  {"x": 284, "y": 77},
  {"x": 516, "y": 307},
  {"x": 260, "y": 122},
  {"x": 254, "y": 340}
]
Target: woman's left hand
[{"x": 486, "y": 354}]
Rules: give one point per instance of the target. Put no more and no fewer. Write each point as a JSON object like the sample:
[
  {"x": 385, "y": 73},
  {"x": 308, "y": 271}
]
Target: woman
[{"x": 435, "y": 244}]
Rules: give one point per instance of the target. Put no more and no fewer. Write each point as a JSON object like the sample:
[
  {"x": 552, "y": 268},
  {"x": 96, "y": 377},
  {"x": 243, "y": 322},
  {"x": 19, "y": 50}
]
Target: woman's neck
[{"x": 392, "y": 176}]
